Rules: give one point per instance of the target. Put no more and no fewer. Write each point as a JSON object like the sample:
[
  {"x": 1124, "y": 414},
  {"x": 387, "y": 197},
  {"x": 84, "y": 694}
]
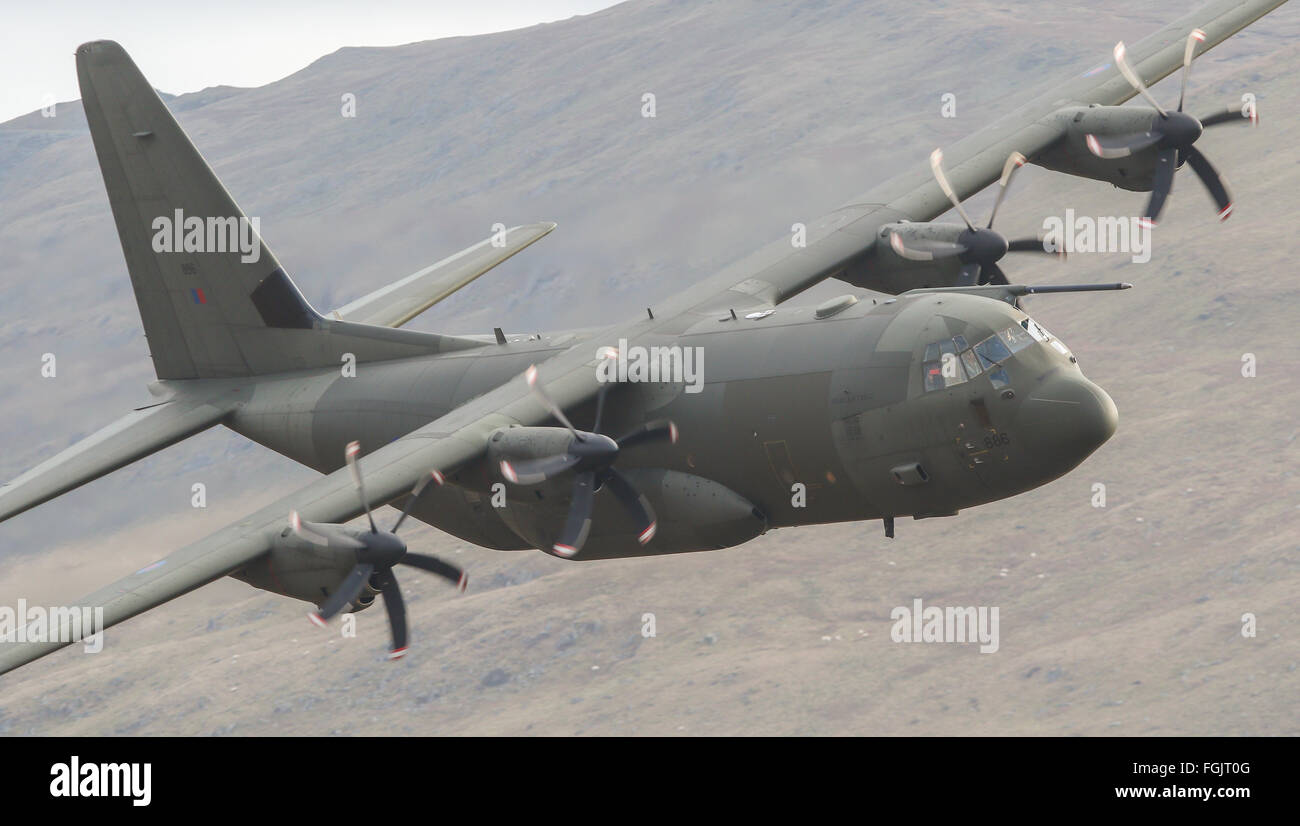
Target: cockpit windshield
[
  {"x": 951, "y": 362},
  {"x": 1040, "y": 334}
]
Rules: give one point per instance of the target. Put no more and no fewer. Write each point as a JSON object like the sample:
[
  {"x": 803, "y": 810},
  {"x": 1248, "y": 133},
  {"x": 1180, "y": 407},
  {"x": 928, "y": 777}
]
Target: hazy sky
[{"x": 184, "y": 46}]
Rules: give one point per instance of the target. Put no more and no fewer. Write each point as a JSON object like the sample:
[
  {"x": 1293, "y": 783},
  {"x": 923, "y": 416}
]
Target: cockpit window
[
  {"x": 952, "y": 361},
  {"x": 1036, "y": 330},
  {"x": 1040, "y": 334},
  {"x": 1015, "y": 338},
  {"x": 933, "y": 376},
  {"x": 943, "y": 366},
  {"x": 992, "y": 352}
]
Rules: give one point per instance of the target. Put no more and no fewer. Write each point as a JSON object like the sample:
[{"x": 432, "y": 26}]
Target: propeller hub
[
  {"x": 382, "y": 549},
  {"x": 984, "y": 246},
  {"x": 594, "y": 450},
  {"x": 1179, "y": 130}
]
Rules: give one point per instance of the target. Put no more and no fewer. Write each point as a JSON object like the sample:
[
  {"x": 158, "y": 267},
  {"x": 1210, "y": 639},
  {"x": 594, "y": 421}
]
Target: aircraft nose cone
[{"x": 1064, "y": 420}]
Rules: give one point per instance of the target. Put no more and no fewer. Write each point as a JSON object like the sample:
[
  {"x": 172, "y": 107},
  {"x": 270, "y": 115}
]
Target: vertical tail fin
[{"x": 214, "y": 300}]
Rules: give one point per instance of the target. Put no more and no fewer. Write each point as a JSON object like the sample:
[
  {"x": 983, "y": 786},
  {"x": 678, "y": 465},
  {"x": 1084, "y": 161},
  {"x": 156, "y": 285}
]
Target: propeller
[
  {"x": 591, "y": 456},
  {"x": 375, "y": 553},
  {"x": 1172, "y": 136},
  {"x": 977, "y": 248}
]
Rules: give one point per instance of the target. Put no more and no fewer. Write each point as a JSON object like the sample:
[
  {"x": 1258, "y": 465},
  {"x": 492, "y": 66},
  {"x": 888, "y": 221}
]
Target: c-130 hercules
[{"x": 942, "y": 398}]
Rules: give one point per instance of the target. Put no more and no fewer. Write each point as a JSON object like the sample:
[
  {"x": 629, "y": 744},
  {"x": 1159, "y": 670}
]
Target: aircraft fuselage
[{"x": 792, "y": 420}]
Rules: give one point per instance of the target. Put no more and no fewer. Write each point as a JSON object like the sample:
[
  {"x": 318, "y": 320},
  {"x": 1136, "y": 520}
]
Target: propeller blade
[
  {"x": 1189, "y": 52},
  {"x": 969, "y": 275},
  {"x": 653, "y": 431},
  {"x": 1233, "y": 113},
  {"x": 432, "y": 476},
  {"x": 1121, "y": 61},
  {"x": 1213, "y": 181},
  {"x": 536, "y": 471},
  {"x": 578, "y": 523},
  {"x": 347, "y": 591},
  {"x": 327, "y": 536},
  {"x": 1014, "y": 161},
  {"x": 634, "y": 503},
  {"x": 1164, "y": 182},
  {"x": 1034, "y": 245},
  {"x": 350, "y": 453},
  {"x": 936, "y": 166},
  {"x": 530, "y": 375},
  {"x": 600, "y": 406},
  {"x": 434, "y": 565},
  {"x": 1121, "y": 146},
  {"x": 924, "y": 249},
  {"x": 396, "y": 607}
]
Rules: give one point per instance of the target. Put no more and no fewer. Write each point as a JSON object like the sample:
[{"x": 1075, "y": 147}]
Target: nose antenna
[{"x": 1012, "y": 293}]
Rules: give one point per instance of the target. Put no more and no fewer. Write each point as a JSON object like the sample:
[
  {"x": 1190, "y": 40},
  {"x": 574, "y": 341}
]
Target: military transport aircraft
[{"x": 941, "y": 398}]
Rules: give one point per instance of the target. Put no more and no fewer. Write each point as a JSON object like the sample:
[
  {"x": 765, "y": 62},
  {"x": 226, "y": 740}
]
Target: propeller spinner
[
  {"x": 375, "y": 554},
  {"x": 591, "y": 456}
]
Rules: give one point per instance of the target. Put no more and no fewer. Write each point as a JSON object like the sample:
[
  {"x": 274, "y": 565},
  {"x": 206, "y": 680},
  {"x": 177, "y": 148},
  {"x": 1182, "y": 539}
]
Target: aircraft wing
[
  {"x": 401, "y": 301},
  {"x": 390, "y": 472},
  {"x": 837, "y": 240},
  {"x": 135, "y": 435}
]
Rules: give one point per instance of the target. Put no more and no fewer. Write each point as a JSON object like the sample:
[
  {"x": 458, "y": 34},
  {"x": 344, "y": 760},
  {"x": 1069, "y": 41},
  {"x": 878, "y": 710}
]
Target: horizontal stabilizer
[
  {"x": 134, "y": 436},
  {"x": 401, "y": 301}
]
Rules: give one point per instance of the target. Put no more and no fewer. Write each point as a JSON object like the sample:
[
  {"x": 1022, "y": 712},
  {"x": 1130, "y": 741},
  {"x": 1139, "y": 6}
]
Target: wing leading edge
[
  {"x": 445, "y": 444},
  {"x": 838, "y": 240},
  {"x": 401, "y": 301},
  {"x": 134, "y": 436}
]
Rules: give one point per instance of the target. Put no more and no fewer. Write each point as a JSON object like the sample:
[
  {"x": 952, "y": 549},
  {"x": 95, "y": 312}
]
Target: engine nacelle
[
  {"x": 299, "y": 569},
  {"x": 693, "y": 514},
  {"x": 1071, "y": 155},
  {"x": 518, "y": 443},
  {"x": 887, "y": 269}
]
